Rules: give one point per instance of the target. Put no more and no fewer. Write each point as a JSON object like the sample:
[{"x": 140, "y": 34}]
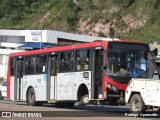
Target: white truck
[{"x": 142, "y": 93}]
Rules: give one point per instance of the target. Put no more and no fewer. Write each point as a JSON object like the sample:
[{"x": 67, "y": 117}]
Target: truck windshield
[{"x": 126, "y": 65}]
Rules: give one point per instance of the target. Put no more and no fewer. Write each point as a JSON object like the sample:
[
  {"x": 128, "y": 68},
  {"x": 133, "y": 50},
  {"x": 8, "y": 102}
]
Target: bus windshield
[
  {"x": 126, "y": 65},
  {"x": 126, "y": 60}
]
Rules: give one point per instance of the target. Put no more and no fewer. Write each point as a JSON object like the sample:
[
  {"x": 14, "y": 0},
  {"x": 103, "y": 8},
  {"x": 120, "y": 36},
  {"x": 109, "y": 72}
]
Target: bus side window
[
  {"x": 53, "y": 66},
  {"x": 12, "y": 66},
  {"x": 30, "y": 65},
  {"x": 66, "y": 61},
  {"x": 38, "y": 66},
  {"x": 41, "y": 64},
  {"x": 82, "y": 59}
]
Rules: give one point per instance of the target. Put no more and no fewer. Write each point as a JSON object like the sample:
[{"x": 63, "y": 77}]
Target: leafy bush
[
  {"x": 111, "y": 32},
  {"x": 95, "y": 17},
  {"x": 121, "y": 24},
  {"x": 101, "y": 34}
]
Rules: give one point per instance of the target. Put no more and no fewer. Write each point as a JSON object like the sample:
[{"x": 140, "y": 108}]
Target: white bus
[{"x": 74, "y": 73}]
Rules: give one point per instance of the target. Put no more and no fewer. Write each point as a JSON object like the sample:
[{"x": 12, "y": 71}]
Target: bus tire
[
  {"x": 31, "y": 97},
  {"x": 137, "y": 104},
  {"x": 84, "y": 100}
]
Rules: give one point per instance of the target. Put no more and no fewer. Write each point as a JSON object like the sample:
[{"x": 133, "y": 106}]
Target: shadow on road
[{"x": 76, "y": 111}]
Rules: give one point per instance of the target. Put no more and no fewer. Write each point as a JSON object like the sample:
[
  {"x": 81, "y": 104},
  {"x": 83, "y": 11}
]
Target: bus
[{"x": 83, "y": 73}]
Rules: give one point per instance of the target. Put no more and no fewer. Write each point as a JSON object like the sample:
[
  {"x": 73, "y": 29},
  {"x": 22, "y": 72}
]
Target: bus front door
[
  {"x": 52, "y": 76},
  {"x": 96, "y": 84},
  {"x": 19, "y": 79}
]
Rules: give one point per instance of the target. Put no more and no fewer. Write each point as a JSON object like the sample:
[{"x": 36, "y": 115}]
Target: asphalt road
[{"x": 49, "y": 111}]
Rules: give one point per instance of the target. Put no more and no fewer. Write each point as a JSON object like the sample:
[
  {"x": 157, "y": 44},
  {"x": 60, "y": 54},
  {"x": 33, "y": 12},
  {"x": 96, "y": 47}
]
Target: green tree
[
  {"x": 101, "y": 34},
  {"x": 111, "y": 32}
]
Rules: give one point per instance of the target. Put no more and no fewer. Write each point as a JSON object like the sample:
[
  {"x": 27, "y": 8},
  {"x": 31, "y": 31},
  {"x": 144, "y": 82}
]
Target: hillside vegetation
[{"x": 125, "y": 19}]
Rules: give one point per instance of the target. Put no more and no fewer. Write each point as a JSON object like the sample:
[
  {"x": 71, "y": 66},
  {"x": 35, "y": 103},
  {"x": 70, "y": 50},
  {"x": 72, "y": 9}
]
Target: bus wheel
[
  {"x": 137, "y": 104},
  {"x": 31, "y": 98},
  {"x": 84, "y": 100}
]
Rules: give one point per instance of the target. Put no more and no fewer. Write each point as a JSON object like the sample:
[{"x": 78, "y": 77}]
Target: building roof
[{"x": 48, "y": 36}]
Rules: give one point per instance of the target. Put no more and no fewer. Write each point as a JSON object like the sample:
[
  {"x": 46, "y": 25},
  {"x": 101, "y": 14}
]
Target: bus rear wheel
[
  {"x": 84, "y": 100},
  {"x": 31, "y": 97}
]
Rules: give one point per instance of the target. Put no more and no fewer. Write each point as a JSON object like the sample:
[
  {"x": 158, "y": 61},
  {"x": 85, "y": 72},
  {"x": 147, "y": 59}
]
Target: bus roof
[{"x": 70, "y": 47}]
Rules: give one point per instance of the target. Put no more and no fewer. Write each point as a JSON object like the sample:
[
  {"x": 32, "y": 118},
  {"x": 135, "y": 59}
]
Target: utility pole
[{"x": 41, "y": 35}]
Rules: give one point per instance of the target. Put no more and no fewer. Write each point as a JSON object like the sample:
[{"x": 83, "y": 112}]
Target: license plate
[{"x": 51, "y": 101}]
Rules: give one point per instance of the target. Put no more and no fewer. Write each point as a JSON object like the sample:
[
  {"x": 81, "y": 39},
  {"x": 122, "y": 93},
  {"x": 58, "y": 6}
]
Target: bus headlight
[
  {"x": 109, "y": 85},
  {"x": 114, "y": 88}
]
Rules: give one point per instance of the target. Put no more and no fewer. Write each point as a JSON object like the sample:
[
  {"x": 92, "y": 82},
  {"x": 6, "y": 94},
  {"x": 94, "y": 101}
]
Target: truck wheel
[
  {"x": 137, "y": 104},
  {"x": 31, "y": 97},
  {"x": 84, "y": 100}
]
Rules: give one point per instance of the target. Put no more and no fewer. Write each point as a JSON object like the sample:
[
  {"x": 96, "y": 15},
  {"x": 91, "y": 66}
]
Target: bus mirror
[{"x": 104, "y": 67}]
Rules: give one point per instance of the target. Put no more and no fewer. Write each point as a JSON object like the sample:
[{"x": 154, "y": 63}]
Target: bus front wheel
[{"x": 31, "y": 97}]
